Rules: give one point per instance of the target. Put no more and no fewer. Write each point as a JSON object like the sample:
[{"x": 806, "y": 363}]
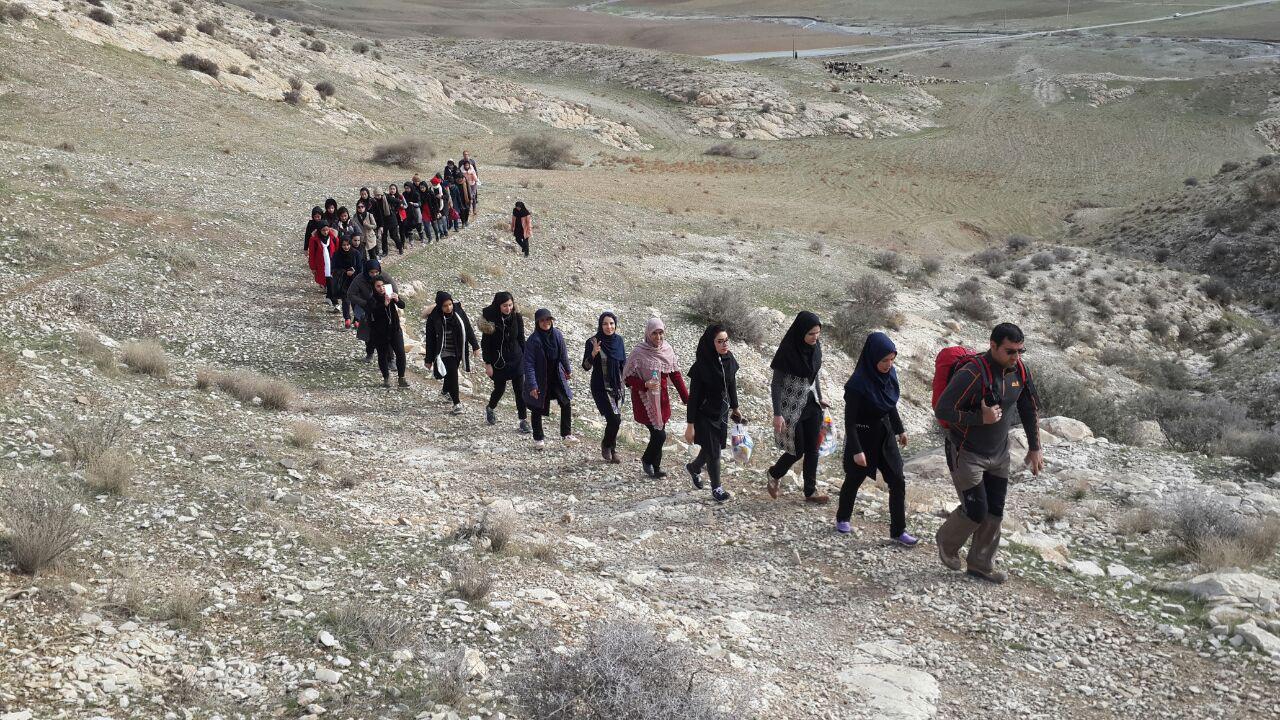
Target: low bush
[
  {"x": 208, "y": 27},
  {"x": 404, "y": 154},
  {"x": 543, "y": 152},
  {"x": 42, "y": 523},
  {"x": 183, "y": 605},
  {"x": 1019, "y": 280},
  {"x": 1018, "y": 243},
  {"x": 175, "y": 35},
  {"x": 968, "y": 300},
  {"x": 1137, "y": 521},
  {"x": 619, "y": 670},
  {"x": 472, "y": 580},
  {"x": 191, "y": 61},
  {"x": 1061, "y": 394},
  {"x": 247, "y": 386},
  {"x": 360, "y": 47},
  {"x": 111, "y": 473},
  {"x": 14, "y": 11},
  {"x": 887, "y": 260},
  {"x": 1260, "y": 448},
  {"x": 1228, "y": 166},
  {"x": 276, "y": 31},
  {"x": 1192, "y": 423},
  {"x": 992, "y": 261},
  {"x": 729, "y": 306},
  {"x": 1215, "y": 536},
  {"x": 325, "y": 89},
  {"x": 370, "y": 627},
  {"x": 317, "y": 46},
  {"x": 292, "y": 97},
  {"x": 177, "y": 8},
  {"x": 1166, "y": 373},
  {"x": 85, "y": 442},
  {"x": 295, "y": 83},
  {"x": 102, "y": 16},
  {"x": 1264, "y": 188},
  {"x": 309, "y": 31},
  {"x": 1042, "y": 260},
  {"x": 1054, "y": 509},
  {"x": 303, "y": 434},
  {"x": 1218, "y": 290},
  {"x": 732, "y": 150},
  {"x": 146, "y": 357},
  {"x": 931, "y": 265}
]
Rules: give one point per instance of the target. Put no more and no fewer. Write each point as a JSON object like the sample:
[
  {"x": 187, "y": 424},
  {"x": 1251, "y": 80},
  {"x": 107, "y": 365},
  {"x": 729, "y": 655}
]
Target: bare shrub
[
  {"x": 1215, "y": 536},
  {"x": 317, "y": 46},
  {"x": 85, "y": 442},
  {"x": 472, "y": 580},
  {"x": 292, "y": 97},
  {"x": 303, "y": 434},
  {"x": 931, "y": 265},
  {"x": 1065, "y": 311},
  {"x": 732, "y": 150},
  {"x": 146, "y": 357},
  {"x": 727, "y": 306},
  {"x": 1019, "y": 280},
  {"x": 205, "y": 378},
  {"x": 111, "y": 473},
  {"x": 1264, "y": 188},
  {"x": 992, "y": 261},
  {"x": 1260, "y": 449},
  {"x": 102, "y": 16},
  {"x": 370, "y": 627},
  {"x": 1060, "y": 394},
  {"x": 90, "y": 346},
  {"x": 543, "y": 152},
  {"x": 968, "y": 299},
  {"x": 191, "y": 61},
  {"x": 1137, "y": 521},
  {"x": 325, "y": 89},
  {"x": 619, "y": 670},
  {"x": 1042, "y": 260},
  {"x": 276, "y": 32},
  {"x": 183, "y": 605},
  {"x": 1078, "y": 488},
  {"x": 1018, "y": 243},
  {"x": 446, "y": 677},
  {"x": 15, "y": 11},
  {"x": 467, "y": 278},
  {"x": 177, "y": 8},
  {"x": 43, "y": 524},
  {"x": 295, "y": 83},
  {"x": 309, "y": 31},
  {"x": 1194, "y": 424},
  {"x": 360, "y": 47},
  {"x": 1218, "y": 290},
  {"x": 245, "y": 386},
  {"x": 887, "y": 260},
  {"x": 404, "y": 154},
  {"x": 175, "y": 35},
  {"x": 208, "y": 27}
]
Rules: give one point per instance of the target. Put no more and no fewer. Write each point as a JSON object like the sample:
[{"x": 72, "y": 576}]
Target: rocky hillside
[{"x": 254, "y": 528}]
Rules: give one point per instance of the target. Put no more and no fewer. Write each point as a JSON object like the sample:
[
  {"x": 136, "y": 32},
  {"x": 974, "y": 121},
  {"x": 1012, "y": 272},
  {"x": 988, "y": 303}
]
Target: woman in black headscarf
[
  {"x": 447, "y": 336},
  {"x": 713, "y": 400},
  {"x": 522, "y": 226},
  {"x": 871, "y": 423},
  {"x": 605, "y": 355},
  {"x": 797, "y": 403},
  {"x": 502, "y": 348},
  {"x": 315, "y": 223}
]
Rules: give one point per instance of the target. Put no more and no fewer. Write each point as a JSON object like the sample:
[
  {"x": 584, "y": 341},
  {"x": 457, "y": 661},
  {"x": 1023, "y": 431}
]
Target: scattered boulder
[
  {"x": 893, "y": 692},
  {"x": 1227, "y": 585},
  {"x": 1148, "y": 434},
  {"x": 1066, "y": 428},
  {"x": 1261, "y": 640}
]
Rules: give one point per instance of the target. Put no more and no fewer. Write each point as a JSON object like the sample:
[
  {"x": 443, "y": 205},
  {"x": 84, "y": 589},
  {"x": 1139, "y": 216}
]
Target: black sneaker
[
  {"x": 696, "y": 477},
  {"x": 386, "y": 383},
  {"x": 403, "y": 383},
  {"x": 524, "y": 427},
  {"x": 659, "y": 472},
  {"x": 490, "y": 417},
  {"x": 648, "y": 469},
  {"x": 720, "y": 494},
  {"x": 368, "y": 357}
]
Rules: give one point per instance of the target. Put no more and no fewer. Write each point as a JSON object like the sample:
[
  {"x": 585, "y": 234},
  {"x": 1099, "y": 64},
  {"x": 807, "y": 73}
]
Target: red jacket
[
  {"x": 315, "y": 254},
  {"x": 637, "y": 405}
]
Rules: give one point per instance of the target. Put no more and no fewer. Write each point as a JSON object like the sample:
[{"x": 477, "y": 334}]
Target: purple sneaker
[
  {"x": 907, "y": 539},
  {"x": 843, "y": 527}
]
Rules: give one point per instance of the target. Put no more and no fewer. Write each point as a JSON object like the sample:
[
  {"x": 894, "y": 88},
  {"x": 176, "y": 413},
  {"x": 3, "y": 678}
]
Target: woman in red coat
[
  {"x": 321, "y": 247},
  {"x": 649, "y": 366}
]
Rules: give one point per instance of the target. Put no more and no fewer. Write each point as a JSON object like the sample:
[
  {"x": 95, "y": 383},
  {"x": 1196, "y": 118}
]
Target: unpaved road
[{"x": 913, "y": 48}]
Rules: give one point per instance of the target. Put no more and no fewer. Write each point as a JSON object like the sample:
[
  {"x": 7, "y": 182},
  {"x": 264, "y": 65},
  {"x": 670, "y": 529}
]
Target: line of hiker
[{"x": 975, "y": 397}]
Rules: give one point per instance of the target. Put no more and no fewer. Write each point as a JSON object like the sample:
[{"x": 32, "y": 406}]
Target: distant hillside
[{"x": 1225, "y": 226}]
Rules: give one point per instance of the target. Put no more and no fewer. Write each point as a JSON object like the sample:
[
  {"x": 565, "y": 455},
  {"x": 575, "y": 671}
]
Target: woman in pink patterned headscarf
[{"x": 648, "y": 367}]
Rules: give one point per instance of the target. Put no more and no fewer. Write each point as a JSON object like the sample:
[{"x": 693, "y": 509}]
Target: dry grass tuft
[
  {"x": 146, "y": 357},
  {"x": 206, "y": 378},
  {"x": 88, "y": 344},
  {"x": 86, "y": 442},
  {"x": 244, "y": 386},
  {"x": 43, "y": 524},
  {"x": 1137, "y": 521},
  {"x": 472, "y": 581},
  {"x": 111, "y": 473},
  {"x": 1054, "y": 509},
  {"x": 1078, "y": 489},
  {"x": 183, "y": 605},
  {"x": 1213, "y": 535},
  {"x": 303, "y": 434},
  {"x": 370, "y": 627}
]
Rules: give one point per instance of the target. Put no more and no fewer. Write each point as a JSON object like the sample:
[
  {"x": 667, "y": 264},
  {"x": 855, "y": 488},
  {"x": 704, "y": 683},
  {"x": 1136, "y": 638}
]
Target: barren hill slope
[{"x": 263, "y": 531}]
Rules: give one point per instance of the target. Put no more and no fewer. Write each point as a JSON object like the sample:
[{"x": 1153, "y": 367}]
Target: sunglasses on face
[{"x": 1018, "y": 351}]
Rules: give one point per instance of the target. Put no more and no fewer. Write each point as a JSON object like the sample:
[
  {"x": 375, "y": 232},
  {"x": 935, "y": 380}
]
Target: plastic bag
[
  {"x": 742, "y": 444},
  {"x": 827, "y": 435}
]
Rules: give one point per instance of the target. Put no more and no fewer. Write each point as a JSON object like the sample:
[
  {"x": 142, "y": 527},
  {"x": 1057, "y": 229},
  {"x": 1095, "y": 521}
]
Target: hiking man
[{"x": 975, "y": 407}]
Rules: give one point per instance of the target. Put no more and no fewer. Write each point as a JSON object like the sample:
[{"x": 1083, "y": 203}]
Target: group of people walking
[{"x": 972, "y": 401}]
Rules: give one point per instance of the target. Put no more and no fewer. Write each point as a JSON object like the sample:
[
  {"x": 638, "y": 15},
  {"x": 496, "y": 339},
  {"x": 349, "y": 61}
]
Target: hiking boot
[
  {"x": 604, "y": 453},
  {"x": 457, "y": 409},
  {"x": 950, "y": 560},
  {"x": 490, "y": 417},
  {"x": 817, "y": 498},
  {"x": 694, "y": 475},
  {"x": 844, "y": 527},
  {"x": 773, "y": 485},
  {"x": 648, "y": 469},
  {"x": 906, "y": 539},
  {"x": 386, "y": 383},
  {"x": 613, "y": 457},
  {"x": 993, "y": 576},
  {"x": 524, "y": 427},
  {"x": 402, "y": 382},
  {"x": 368, "y": 357},
  {"x": 720, "y": 494}
]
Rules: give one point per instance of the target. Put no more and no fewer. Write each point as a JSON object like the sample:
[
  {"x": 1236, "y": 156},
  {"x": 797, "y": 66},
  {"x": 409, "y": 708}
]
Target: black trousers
[
  {"x": 985, "y": 499},
  {"x": 897, "y": 496},
  {"x": 524, "y": 244},
  {"x": 390, "y": 227},
  {"x": 566, "y": 413},
  {"x": 392, "y": 347},
  {"x": 517, "y": 389},
  {"x": 806, "y": 444},
  {"x": 709, "y": 451},
  {"x": 451, "y": 377},
  {"x": 653, "y": 451},
  {"x": 612, "y": 422}
]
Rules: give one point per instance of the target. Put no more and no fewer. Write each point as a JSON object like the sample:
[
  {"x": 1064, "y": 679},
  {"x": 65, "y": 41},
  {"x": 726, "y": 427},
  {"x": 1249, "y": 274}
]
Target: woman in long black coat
[
  {"x": 713, "y": 401},
  {"x": 873, "y": 432},
  {"x": 605, "y": 355},
  {"x": 383, "y": 318},
  {"x": 448, "y": 336},
  {"x": 502, "y": 349}
]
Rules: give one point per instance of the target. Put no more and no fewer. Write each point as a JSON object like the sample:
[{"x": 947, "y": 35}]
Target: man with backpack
[{"x": 974, "y": 406}]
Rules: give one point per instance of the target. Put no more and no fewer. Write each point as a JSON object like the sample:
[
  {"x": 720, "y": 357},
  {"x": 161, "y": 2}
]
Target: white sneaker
[
  {"x": 539, "y": 444},
  {"x": 457, "y": 409},
  {"x": 571, "y": 440}
]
